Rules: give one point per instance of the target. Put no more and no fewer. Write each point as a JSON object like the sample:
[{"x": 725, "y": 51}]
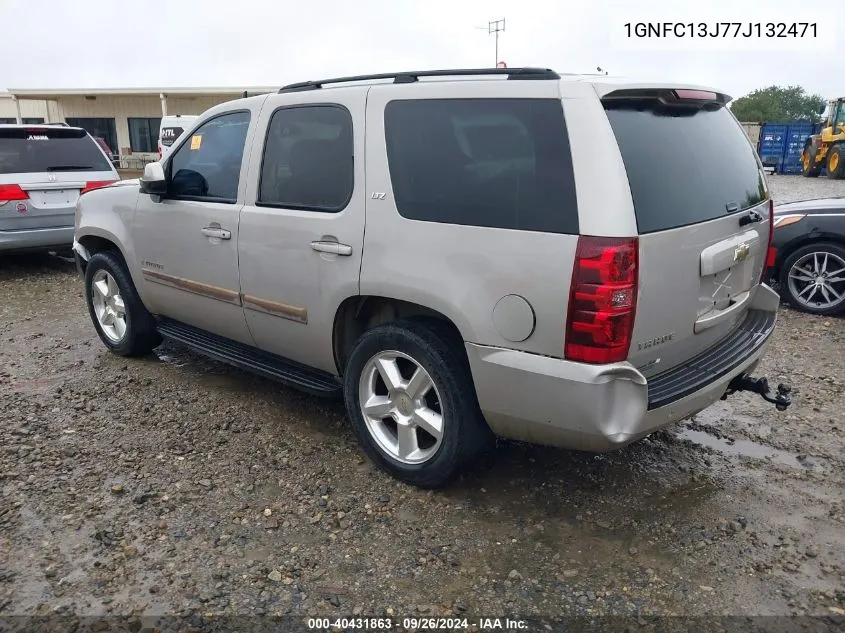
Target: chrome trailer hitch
[{"x": 781, "y": 399}]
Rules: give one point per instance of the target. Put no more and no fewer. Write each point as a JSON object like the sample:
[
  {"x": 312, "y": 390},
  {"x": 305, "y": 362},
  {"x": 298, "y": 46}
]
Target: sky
[{"x": 189, "y": 43}]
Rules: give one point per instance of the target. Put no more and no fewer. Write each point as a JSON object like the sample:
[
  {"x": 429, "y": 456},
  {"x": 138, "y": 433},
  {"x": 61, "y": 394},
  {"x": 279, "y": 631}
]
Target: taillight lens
[
  {"x": 771, "y": 252},
  {"x": 12, "y": 192},
  {"x": 95, "y": 184},
  {"x": 602, "y": 300}
]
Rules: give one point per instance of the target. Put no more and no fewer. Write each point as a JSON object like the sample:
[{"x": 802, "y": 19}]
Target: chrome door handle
[
  {"x": 335, "y": 248},
  {"x": 216, "y": 231}
]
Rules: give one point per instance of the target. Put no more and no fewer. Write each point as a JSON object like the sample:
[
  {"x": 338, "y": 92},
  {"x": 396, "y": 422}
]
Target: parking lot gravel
[{"x": 173, "y": 484}]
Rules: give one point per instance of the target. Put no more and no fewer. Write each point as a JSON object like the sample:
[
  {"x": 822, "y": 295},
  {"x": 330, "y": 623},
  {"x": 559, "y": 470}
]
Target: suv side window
[
  {"x": 500, "y": 163},
  {"x": 207, "y": 166},
  {"x": 308, "y": 159}
]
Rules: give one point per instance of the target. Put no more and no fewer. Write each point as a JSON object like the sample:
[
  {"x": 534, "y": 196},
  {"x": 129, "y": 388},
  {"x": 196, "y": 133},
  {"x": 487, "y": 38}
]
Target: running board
[{"x": 287, "y": 372}]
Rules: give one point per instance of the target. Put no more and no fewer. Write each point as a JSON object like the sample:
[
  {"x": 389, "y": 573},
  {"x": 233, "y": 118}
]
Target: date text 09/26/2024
[
  {"x": 417, "y": 624},
  {"x": 721, "y": 29}
]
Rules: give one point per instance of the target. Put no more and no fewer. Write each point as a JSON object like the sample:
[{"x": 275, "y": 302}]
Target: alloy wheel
[
  {"x": 817, "y": 280},
  {"x": 401, "y": 407},
  {"x": 108, "y": 306}
]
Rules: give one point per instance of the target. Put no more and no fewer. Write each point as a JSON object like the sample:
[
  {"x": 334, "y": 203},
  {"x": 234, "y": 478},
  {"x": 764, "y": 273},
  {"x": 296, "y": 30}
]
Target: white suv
[{"x": 574, "y": 261}]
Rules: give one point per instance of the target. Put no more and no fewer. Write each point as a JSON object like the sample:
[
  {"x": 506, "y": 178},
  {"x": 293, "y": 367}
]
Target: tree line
[{"x": 778, "y": 103}]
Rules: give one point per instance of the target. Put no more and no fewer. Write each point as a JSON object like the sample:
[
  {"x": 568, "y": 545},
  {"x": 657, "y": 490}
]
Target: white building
[{"x": 127, "y": 119}]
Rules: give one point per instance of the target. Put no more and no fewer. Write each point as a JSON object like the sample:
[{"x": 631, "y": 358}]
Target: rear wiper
[{"x": 70, "y": 168}]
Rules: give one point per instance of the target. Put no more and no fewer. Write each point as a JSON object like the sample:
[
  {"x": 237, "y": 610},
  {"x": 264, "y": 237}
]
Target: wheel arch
[
  {"x": 806, "y": 239},
  {"x": 96, "y": 239},
  {"x": 360, "y": 313}
]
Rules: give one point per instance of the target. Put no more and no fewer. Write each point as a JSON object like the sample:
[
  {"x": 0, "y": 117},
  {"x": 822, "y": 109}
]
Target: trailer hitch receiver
[{"x": 781, "y": 398}]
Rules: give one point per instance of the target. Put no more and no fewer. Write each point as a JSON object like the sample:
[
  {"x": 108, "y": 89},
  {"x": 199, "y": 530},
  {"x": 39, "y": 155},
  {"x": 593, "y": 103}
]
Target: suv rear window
[
  {"x": 35, "y": 150},
  {"x": 685, "y": 165},
  {"x": 502, "y": 163}
]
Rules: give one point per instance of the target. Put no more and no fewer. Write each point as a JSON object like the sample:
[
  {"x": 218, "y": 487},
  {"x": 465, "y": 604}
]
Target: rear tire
[
  {"x": 802, "y": 267},
  {"x": 423, "y": 436},
  {"x": 809, "y": 168},
  {"x": 836, "y": 162},
  {"x": 120, "y": 318}
]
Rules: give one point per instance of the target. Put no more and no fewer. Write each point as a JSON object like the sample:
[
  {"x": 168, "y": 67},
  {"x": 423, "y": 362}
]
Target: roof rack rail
[{"x": 408, "y": 77}]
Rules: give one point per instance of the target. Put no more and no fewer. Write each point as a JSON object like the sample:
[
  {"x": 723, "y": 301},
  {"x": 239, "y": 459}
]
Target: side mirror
[
  {"x": 822, "y": 108},
  {"x": 153, "y": 180}
]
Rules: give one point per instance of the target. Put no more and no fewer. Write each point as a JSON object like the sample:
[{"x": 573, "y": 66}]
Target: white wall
[
  {"x": 119, "y": 108},
  {"x": 28, "y": 108}
]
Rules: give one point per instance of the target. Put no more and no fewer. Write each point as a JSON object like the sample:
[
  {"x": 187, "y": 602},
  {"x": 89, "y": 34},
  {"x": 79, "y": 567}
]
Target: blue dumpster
[
  {"x": 773, "y": 144},
  {"x": 781, "y": 145}
]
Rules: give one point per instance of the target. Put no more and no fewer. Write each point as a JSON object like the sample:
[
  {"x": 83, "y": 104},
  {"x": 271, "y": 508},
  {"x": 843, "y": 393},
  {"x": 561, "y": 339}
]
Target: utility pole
[{"x": 494, "y": 28}]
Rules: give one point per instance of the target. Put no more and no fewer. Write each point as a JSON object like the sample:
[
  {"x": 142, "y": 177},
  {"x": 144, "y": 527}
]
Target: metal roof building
[{"x": 127, "y": 119}]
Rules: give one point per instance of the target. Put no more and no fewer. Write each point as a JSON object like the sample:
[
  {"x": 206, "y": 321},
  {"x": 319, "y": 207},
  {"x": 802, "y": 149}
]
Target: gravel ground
[{"x": 176, "y": 485}]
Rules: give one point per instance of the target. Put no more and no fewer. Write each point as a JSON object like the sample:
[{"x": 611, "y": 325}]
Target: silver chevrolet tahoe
[{"x": 573, "y": 261}]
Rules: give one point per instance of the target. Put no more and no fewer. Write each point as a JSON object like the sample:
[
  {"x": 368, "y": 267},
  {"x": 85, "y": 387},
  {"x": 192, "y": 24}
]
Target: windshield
[{"x": 43, "y": 149}]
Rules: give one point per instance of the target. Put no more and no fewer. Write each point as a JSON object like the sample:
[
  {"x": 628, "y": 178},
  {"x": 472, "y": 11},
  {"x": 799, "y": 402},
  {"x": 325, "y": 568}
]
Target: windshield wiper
[{"x": 70, "y": 168}]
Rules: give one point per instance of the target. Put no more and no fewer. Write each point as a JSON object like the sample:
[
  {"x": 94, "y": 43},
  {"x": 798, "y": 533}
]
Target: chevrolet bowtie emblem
[{"x": 741, "y": 252}]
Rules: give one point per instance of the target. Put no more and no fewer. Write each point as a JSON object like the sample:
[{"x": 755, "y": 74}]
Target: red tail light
[
  {"x": 12, "y": 192},
  {"x": 771, "y": 251},
  {"x": 95, "y": 184},
  {"x": 602, "y": 300}
]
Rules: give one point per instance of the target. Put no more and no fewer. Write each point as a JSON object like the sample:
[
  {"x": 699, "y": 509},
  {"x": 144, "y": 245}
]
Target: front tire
[
  {"x": 836, "y": 162},
  {"x": 411, "y": 400},
  {"x": 119, "y": 316},
  {"x": 809, "y": 168},
  {"x": 812, "y": 279}
]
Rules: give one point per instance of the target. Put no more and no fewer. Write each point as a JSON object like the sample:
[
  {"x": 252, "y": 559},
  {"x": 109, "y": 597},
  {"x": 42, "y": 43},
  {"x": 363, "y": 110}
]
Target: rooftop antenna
[{"x": 494, "y": 28}]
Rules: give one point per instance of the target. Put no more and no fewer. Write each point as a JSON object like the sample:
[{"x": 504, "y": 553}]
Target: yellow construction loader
[{"x": 827, "y": 148}]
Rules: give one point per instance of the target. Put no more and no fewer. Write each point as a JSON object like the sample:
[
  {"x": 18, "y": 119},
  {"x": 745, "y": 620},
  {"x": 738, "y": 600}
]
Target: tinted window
[
  {"x": 684, "y": 165},
  {"x": 308, "y": 159},
  {"x": 208, "y": 164},
  {"x": 502, "y": 163},
  {"x": 43, "y": 149},
  {"x": 97, "y": 127},
  {"x": 143, "y": 134}
]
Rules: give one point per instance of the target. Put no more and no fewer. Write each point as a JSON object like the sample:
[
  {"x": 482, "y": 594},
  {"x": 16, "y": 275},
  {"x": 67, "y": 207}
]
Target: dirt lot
[{"x": 177, "y": 485}]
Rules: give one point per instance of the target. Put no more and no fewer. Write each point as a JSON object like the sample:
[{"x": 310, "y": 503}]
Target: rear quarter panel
[
  {"x": 463, "y": 271},
  {"x": 824, "y": 222}
]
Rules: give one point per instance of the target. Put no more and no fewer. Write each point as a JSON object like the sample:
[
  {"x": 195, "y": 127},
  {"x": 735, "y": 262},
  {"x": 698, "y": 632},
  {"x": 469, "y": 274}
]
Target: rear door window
[
  {"x": 38, "y": 150},
  {"x": 501, "y": 163},
  {"x": 685, "y": 165},
  {"x": 308, "y": 159}
]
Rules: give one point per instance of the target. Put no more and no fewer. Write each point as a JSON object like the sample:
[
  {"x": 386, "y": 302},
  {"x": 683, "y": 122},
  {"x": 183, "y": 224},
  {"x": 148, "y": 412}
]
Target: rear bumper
[
  {"x": 598, "y": 408},
  {"x": 36, "y": 239}
]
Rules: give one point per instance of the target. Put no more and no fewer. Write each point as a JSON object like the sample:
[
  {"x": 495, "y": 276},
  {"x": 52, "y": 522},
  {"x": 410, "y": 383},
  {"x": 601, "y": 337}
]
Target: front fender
[{"x": 107, "y": 214}]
